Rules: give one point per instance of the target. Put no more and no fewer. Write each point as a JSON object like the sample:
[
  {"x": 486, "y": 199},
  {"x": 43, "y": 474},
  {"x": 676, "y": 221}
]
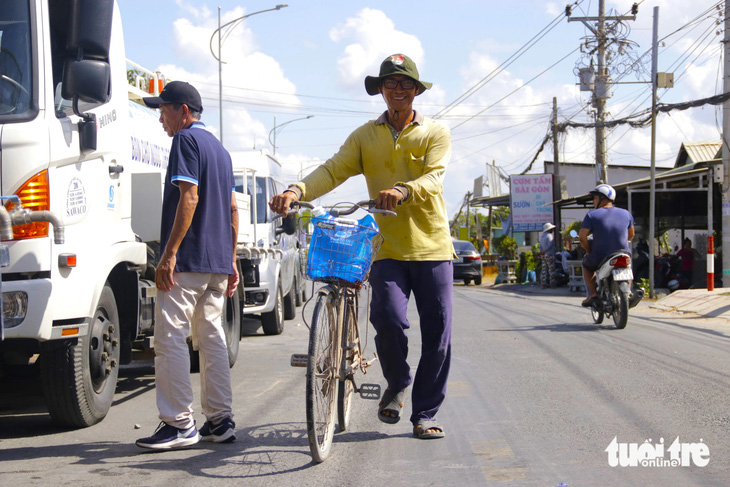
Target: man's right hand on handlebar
[{"x": 281, "y": 203}]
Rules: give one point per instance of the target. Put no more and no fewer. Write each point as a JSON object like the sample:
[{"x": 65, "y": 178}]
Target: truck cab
[
  {"x": 270, "y": 258},
  {"x": 77, "y": 145}
]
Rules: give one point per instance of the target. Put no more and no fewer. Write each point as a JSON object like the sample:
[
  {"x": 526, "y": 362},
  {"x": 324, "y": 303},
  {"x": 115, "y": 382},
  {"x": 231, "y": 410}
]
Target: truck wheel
[
  {"x": 305, "y": 293},
  {"x": 298, "y": 286},
  {"x": 194, "y": 359},
  {"x": 231, "y": 320},
  {"x": 232, "y": 327},
  {"x": 290, "y": 308},
  {"x": 273, "y": 321},
  {"x": 79, "y": 379}
]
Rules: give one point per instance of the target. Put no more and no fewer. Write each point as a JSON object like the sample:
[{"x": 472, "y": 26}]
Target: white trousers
[{"x": 193, "y": 306}]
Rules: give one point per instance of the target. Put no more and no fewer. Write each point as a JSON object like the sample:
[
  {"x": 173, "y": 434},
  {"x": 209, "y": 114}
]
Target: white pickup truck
[{"x": 270, "y": 259}]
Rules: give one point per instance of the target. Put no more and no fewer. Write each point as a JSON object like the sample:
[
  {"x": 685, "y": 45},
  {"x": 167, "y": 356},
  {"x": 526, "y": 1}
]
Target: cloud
[
  {"x": 372, "y": 36},
  {"x": 249, "y": 76}
]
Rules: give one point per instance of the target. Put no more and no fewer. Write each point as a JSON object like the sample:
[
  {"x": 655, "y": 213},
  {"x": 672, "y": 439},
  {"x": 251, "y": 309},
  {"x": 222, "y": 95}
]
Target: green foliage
[
  {"x": 527, "y": 262},
  {"x": 663, "y": 244},
  {"x": 132, "y": 78},
  {"x": 644, "y": 284},
  {"x": 506, "y": 246}
]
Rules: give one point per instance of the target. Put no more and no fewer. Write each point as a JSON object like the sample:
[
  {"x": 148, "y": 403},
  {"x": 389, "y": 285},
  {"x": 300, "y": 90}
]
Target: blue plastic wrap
[{"x": 341, "y": 249}]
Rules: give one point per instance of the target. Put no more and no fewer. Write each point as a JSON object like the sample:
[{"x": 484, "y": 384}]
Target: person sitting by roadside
[{"x": 687, "y": 255}]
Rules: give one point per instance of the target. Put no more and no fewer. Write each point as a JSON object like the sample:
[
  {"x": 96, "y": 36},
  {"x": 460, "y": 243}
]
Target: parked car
[{"x": 468, "y": 263}]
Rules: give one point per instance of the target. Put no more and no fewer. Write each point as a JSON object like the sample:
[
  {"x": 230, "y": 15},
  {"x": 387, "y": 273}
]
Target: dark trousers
[{"x": 431, "y": 283}]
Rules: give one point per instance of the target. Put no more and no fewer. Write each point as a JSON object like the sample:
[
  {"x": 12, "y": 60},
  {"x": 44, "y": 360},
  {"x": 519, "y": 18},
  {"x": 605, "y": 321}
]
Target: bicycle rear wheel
[
  {"x": 350, "y": 349},
  {"x": 322, "y": 375}
]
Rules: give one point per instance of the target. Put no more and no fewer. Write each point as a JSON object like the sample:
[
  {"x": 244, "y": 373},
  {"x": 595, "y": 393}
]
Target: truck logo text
[
  {"x": 107, "y": 118},
  {"x": 75, "y": 198}
]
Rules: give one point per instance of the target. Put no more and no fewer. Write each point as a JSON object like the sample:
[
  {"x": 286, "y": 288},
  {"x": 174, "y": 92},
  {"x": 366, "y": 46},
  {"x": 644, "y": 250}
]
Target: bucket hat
[
  {"x": 395, "y": 64},
  {"x": 547, "y": 227}
]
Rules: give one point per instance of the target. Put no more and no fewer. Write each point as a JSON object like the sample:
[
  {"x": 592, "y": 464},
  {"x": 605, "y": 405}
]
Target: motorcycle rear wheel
[
  {"x": 620, "y": 306},
  {"x": 597, "y": 315}
]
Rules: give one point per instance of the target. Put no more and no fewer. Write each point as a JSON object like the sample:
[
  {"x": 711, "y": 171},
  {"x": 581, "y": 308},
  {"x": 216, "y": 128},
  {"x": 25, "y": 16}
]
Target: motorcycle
[{"x": 613, "y": 282}]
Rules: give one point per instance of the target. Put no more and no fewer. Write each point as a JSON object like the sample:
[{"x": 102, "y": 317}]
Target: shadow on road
[{"x": 253, "y": 455}]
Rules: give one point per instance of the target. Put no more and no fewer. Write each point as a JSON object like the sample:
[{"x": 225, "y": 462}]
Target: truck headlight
[{"x": 15, "y": 307}]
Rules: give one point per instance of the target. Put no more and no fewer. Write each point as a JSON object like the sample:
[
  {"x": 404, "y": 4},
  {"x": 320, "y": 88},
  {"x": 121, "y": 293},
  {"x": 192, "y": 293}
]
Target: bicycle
[{"x": 336, "y": 351}]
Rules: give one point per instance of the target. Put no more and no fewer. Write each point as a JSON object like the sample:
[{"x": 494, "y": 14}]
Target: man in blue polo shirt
[{"x": 197, "y": 269}]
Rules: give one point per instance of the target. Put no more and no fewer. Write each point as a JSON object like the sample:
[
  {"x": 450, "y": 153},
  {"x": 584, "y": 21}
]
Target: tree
[
  {"x": 506, "y": 246},
  {"x": 132, "y": 75}
]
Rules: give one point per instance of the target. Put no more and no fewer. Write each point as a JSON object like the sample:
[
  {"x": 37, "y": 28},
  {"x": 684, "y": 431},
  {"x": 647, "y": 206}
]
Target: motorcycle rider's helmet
[{"x": 604, "y": 191}]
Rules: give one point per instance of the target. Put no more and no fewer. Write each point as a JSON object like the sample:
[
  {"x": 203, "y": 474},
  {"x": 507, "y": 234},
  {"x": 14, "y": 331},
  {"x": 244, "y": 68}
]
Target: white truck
[
  {"x": 270, "y": 258},
  {"x": 78, "y": 148}
]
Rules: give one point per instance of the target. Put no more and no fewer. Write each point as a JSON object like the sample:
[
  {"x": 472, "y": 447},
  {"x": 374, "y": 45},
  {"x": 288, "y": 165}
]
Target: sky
[{"x": 496, "y": 67}]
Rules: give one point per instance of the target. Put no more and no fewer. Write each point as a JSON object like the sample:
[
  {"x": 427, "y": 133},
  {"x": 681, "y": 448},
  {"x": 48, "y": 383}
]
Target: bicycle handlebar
[{"x": 367, "y": 205}]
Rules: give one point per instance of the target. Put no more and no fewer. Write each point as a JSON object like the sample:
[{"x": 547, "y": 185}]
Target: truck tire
[
  {"x": 232, "y": 327},
  {"x": 231, "y": 320},
  {"x": 298, "y": 285},
  {"x": 290, "y": 307},
  {"x": 79, "y": 379},
  {"x": 273, "y": 321}
]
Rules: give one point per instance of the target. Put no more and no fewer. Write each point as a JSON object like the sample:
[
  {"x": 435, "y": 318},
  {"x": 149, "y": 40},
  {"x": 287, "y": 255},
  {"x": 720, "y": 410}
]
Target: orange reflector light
[
  {"x": 151, "y": 87},
  {"x": 69, "y": 332},
  {"x": 67, "y": 260},
  {"x": 35, "y": 196}
]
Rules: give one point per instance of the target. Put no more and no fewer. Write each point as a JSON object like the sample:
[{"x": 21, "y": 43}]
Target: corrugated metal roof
[{"x": 694, "y": 152}]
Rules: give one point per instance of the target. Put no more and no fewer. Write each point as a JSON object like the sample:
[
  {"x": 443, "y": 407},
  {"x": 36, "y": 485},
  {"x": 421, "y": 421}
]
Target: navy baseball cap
[{"x": 177, "y": 92}]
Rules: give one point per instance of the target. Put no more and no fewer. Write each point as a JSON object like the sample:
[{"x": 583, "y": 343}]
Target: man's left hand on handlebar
[{"x": 388, "y": 199}]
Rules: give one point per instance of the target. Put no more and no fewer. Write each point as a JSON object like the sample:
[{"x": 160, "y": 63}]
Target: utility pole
[
  {"x": 468, "y": 200},
  {"x": 601, "y": 85},
  {"x": 725, "y": 160},
  {"x": 652, "y": 186},
  {"x": 557, "y": 193},
  {"x": 600, "y": 94}
]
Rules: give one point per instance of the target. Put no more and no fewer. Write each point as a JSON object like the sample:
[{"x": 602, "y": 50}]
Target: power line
[{"x": 499, "y": 69}]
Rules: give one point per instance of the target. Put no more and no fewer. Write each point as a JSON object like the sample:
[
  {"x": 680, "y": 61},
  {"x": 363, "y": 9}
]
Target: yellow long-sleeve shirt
[{"x": 416, "y": 159}]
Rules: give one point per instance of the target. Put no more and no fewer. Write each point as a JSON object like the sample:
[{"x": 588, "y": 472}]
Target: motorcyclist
[{"x": 612, "y": 229}]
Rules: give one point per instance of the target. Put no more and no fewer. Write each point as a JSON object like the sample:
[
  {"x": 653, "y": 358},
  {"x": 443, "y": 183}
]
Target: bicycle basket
[{"x": 341, "y": 249}]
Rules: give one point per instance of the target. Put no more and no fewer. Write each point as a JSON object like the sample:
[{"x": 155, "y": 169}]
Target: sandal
[
  {"x": 423, "y": 425},
  {"x": 589, "y": 301},
  {"x": 393, "y": 402}
]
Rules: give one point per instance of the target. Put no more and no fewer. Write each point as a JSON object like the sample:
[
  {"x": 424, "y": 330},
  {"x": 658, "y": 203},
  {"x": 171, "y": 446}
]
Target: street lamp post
[
  {"x": 221, "y": 37},
  {"x": 278, "y": 128}
]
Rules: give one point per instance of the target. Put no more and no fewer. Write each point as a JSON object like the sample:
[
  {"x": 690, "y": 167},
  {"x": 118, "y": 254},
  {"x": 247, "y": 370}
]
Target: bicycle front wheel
[
  {"x": 322, "y": 375},
  {"x": 351, "y": 349}
]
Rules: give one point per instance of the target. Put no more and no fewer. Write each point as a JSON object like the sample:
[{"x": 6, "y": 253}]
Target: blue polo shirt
[
  {"x": 610, "y": 229},
  {"x": 198, "y": 157}
]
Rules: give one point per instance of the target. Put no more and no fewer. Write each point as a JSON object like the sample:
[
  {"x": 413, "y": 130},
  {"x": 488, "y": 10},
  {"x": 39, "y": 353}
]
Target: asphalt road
[{"x": 537, "y": 395}]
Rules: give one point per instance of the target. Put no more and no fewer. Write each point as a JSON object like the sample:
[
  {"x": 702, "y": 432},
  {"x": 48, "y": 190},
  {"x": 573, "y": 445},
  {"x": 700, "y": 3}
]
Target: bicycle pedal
[
  {"x": 370, "y": 391},
  {"x": 299, "y": 360}
]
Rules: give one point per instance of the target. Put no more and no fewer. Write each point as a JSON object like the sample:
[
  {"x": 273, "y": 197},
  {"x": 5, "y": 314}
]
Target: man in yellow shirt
[{"x": 403, "y": 156}]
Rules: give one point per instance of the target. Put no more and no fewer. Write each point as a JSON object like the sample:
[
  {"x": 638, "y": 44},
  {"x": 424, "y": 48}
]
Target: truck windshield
[{"x": 15, "y": 59}]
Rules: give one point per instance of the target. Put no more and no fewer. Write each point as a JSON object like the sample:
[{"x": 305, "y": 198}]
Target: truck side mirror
[
  {"x": 86, "y": 72},
  {"x": 91, "y": 28},
  {"x": 89, "y": 79},
  {"x": 288, "y": 226}
]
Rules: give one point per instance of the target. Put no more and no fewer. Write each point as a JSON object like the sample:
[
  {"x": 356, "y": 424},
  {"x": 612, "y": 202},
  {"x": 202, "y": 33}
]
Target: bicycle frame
[{"x": 336, "y": 353}]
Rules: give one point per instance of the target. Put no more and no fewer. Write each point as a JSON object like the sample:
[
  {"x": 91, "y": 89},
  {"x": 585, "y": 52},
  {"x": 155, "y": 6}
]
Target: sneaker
[
  {"x": 218, "y": 433},
  {"x": 168, "y": 437}
]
